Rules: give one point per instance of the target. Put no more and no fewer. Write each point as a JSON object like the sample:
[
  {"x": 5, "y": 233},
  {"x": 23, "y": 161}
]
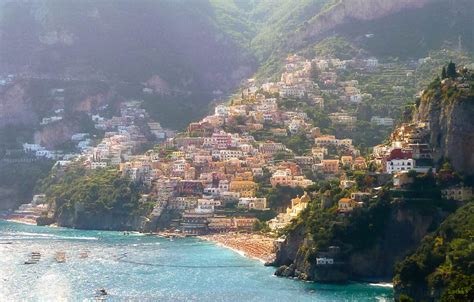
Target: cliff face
[
  {"x": 451, "y": 125},
  {"x": 403, "y": 230},
  {"x": 94, "y": 199},
  {"x": 15, "y": 105},
  {"x": 50, "y": 136},
  {"x": 345, "y": 11},
  {"x": 441, "y": 267},
  {"x": 180, "y": 41},
  {"x": 288, "y": 249},
  {"x": 80, "y": 219}
]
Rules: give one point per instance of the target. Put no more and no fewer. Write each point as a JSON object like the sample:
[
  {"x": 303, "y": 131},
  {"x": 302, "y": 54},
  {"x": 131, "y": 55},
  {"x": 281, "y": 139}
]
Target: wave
[
  {"x": 382, "y": 284},
  {"x": 27, "y": 235}
]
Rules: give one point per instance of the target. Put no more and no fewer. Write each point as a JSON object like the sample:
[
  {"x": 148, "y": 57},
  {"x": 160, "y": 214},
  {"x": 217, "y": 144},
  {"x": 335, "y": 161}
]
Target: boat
[
  {"x": 33, "y": 258},
  {"x": 101, "y": 294},
  {"x": 83, "y": 255},
  {"x": 60, "y": 257}
]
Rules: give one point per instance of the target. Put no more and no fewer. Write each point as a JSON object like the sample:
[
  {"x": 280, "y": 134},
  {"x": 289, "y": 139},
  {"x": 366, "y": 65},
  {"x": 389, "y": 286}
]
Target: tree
[
  {"x": 451, "y": 70},
  {"x": 443, "y": 73},
  {"x": 314, "y": 72}
]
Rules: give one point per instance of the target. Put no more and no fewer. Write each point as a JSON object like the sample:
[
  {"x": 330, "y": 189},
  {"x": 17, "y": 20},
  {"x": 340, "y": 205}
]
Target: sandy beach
[{"x": 251, "y": 245}]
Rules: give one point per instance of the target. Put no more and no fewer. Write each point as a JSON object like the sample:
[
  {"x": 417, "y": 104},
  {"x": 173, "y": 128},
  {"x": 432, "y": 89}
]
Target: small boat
[
  {"x": 60, "y": 257},
  {"x": 34, "y": 258},
  {"x": 83, "y": 255},
  {"x": 101, "y": 294}
]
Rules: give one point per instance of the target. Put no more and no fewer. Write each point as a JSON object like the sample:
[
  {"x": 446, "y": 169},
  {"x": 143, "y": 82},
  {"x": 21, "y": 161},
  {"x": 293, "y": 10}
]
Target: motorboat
[
  {"x": 101, "y": 294},
  {"x": 60, "y": 257},
  {"x": 33, "y": 258}
]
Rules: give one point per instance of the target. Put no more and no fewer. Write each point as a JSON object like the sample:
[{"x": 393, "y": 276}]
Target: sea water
[{"x": 146, "y": 268}]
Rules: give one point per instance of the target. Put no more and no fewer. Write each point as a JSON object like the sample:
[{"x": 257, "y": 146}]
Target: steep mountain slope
[
  {"x": 369, "y": 242},
  {"x": 181, "y": 42},
  {"x": 364, "y": 246},
  {"x": 413, "y": 32},
  {"x": 442, "y": 266},
  {"x": 396, "y": 28},
  {"x": 184, "y": 50},
  {"x": 189, "y": 51},
  {"x": 448, "y": 106},
  {"x": 383, "y": 28},
  {"x": 345, "y": 11}
]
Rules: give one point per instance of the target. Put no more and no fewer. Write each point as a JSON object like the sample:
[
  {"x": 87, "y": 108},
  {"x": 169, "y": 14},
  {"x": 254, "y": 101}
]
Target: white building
[
  {"x": 324, "y": 261},
  {"x": 221, "y": 110},
  {"x": 230, "y": 154},
  {"x": 98, "y": 164},
  {"x": 382, "y": 121},
  {"x": 397, "y": 165},
  {"x": 253, "y": 203}
]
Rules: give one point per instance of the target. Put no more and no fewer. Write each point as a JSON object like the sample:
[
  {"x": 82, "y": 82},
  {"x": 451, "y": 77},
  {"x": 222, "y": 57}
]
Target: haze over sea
[{"x": 137, "y": 267}]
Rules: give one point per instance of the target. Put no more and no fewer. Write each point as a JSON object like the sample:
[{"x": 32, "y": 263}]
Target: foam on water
[{"x": 382, "y": 284}]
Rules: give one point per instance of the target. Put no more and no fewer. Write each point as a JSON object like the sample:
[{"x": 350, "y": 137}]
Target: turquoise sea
[{"x": 145, "y": 268}]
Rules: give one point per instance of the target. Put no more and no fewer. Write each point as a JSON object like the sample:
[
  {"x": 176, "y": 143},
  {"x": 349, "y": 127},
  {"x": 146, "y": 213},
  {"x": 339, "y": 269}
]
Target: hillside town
[{"x": 210, "y": 179}]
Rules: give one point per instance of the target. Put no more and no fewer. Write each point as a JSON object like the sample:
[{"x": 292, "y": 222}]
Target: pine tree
[{"x": 451, "y": 70}]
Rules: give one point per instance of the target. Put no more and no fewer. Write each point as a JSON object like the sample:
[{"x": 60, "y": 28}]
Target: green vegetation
[
  {"x": 438, "y": 24},
  {"x": 278, "y": 20},
  {"x": 84, "y": 196},
  {"x": 279, "y": 198},
  {"x": 21, "y": 177},
  {"x": 176, "y": 113},
  {"x": 443, "y": 263},
  {"x": 333, "y": 47},
  {"x": 351, "y": 233}
]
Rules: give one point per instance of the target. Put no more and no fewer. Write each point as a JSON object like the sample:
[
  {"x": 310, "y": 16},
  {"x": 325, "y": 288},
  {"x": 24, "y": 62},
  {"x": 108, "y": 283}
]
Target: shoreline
[
  {"x": 253, "y": 246},
  {"x": 26, "y": 221}
]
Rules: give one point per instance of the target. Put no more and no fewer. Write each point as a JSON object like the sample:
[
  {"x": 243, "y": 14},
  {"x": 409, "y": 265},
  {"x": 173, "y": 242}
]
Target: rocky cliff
[
  {"x": 449, "y": 110},
  {"x": 403, "y": 228},
  {"x": 16, "y": 105},
  {"x": 180, "y": 41},
  {"x": 441, "y": 267},
  {"x": 93, "y": 199},
  {"x": 345, "y": 11},
  {"x": 79, "y": 217}
]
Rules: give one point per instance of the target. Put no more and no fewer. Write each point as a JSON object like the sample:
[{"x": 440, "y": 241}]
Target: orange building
[{"x": 330, "y": 166}]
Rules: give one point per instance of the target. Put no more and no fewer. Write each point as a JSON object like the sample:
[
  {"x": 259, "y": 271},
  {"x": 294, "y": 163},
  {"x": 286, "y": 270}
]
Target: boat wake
[
  {"x": 29, "y": 236},
  {"x": 388, "y": 285}
]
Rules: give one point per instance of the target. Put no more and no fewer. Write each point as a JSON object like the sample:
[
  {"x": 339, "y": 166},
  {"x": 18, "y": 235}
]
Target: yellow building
[
  {"x": 177, "y": 154},
  {"x": 298, "y": 204},
  {"x": 348, "y": 204},
  {"x": 346, "y": 160},
  {"x": 245, "y": 188}
]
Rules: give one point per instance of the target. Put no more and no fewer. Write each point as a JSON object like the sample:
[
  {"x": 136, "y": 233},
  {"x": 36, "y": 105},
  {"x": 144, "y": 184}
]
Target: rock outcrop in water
[
  {"x": 94, "y": 200},
  {"x": 403, "y": 228},
  {"x": 397, "y": 221}
]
